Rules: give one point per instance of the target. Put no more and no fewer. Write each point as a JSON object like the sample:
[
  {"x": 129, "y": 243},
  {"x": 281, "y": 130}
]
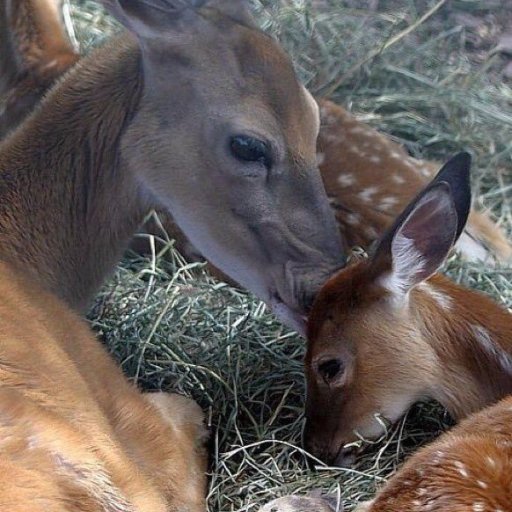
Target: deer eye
[
  {"x": 250, "y": 149},
  {"x": 331, "y": 370}
]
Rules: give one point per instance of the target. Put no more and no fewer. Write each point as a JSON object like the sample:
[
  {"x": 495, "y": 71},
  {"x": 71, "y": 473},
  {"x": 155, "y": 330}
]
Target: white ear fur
[{"x": 407, "y": 262}]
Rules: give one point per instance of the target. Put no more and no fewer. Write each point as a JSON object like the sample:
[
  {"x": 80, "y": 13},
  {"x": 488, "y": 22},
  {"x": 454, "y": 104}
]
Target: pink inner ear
[
  {"x": 431, "y": 224},
  {"x": 423, "y": 241}
]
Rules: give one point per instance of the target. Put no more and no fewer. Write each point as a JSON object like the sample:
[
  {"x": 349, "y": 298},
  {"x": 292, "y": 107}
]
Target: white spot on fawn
[
  {"x": 388, "y": 202},
  {"x": 481, "y": 484},
  {"x": 462, "y": 469},
  {"x": 356, "y": 150},
  {"x": 346, "y": 180},
  {"x": 333, "y": 136},
  {"x": 478, "y": 507},
  {"x": 375, "y": 159},
  {"x": 320, "y": 158},
  {"x": 367, "y": 194},
  {"x": 371, "y": 232},
  {"x": 353, "y": 219},
  {"x": 444, "y": 301},
  {"x": 399, "y": 180},
  {"x": 485, "y": 340},
  {"x": 359, "y": 130}
]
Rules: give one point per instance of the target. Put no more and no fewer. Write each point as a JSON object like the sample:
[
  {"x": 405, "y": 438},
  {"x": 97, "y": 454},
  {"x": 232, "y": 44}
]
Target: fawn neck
[
  {"x": 471, "y": 337},
  {"x": 60, "y": 172}
]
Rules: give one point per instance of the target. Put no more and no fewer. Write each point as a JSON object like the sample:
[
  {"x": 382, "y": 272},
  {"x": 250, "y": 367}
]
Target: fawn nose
[
  {"x": 330, "y": 370},
  {"x": 340, "y": 455}
]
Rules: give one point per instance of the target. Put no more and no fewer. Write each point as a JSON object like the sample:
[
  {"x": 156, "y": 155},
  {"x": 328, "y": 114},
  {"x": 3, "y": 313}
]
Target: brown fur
[
  {"x": 402, "y": 356},
  {"x": 469, "y": 468},
  {"x": 387, "y": 331},
  {"x": 75, "y": 436},
  {"x": 355, "y": 158},
  {"x": 36, "y": 52}
]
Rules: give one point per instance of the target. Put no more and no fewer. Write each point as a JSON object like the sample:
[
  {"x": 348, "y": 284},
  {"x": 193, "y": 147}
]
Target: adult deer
[
  {"x": 387, "y": 331},
  {"x": 369, "y": 178},
  {"x": 133, "y": 126}
]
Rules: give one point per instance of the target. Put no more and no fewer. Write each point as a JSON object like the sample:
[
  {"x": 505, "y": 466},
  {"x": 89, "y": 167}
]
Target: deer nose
[
  {"x": 340, "y": 456},
  {"x": 305, "y": 281},
  {"x": 346, "y": 457}
]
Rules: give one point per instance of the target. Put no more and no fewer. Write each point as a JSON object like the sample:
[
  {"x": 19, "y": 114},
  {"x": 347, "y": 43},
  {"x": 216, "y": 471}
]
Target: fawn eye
[
  {"x": 249, "y": 149},
  {"x": 331, "y": 370}
]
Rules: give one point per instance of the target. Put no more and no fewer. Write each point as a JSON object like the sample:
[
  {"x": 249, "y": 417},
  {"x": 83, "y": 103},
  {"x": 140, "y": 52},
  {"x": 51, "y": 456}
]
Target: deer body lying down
[
  {"x": 370, "y": 179},
  {"x": 385, "y": 332},
  {"x": 469, "y": 469},
  {"x": 129, "y": 127},
  {"x": 75, "y": 436}
]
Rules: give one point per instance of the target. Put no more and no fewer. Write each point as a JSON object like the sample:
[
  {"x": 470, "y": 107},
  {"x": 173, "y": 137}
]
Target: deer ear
[
  {"x": 237, "y": 10},
  {"x": 425, "y": 233},
  {"x": 456, "y": 172},
  {"x": 149, "y": 19}
]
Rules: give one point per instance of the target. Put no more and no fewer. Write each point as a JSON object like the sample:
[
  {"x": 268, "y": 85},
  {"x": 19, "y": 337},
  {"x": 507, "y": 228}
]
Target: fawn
[
  {"x": 387, "y": 331},
  {"x": 370, "y": 179},
  {"x": 131, "y": 127}
]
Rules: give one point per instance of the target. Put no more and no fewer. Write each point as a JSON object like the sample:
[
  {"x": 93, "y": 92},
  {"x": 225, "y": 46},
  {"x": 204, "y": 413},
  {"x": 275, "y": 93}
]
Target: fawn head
[
  {"x": 365, "y": 361},
  {"x": 225, "y": 139}
]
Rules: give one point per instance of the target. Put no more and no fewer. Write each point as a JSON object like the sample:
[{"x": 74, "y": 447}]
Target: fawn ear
[{"x": 425, "y": 233}]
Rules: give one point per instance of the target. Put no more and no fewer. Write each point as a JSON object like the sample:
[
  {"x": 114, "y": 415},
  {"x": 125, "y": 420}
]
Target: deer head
[
  {"x": 366, "y": 356},
  {"x": 225, "y": 139}
]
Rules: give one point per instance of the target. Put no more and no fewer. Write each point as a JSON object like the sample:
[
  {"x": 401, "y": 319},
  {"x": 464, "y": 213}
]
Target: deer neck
[
  {"x": 471, "y": 337},
  {"x": 68, "y": 206}
]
